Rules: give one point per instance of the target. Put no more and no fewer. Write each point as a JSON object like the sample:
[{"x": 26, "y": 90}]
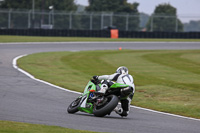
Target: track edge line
[{"x": 14, "y": 63}]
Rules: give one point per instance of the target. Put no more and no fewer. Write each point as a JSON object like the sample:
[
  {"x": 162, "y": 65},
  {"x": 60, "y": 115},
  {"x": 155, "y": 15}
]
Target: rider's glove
[{"x": 95, "y": 77}]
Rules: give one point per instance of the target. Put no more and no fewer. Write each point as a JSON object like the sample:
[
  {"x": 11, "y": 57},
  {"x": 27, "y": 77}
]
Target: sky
[{"x": 186, "y": 9}]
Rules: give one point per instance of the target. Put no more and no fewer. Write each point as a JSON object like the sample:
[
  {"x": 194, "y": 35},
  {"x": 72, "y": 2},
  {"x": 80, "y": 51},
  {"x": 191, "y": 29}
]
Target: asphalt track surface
[{"x": 26, "y": 100}]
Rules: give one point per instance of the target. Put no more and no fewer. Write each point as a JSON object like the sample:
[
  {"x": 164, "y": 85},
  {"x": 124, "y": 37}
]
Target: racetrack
[{"x": 26, "y": 100}]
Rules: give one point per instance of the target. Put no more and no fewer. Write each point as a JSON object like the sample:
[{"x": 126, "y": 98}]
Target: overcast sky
[{"x": 185, "y": 8}]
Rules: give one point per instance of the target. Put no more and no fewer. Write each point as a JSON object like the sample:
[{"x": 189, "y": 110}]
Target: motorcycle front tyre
[
  {"x": 73, "y": 107},
  {"x": 109, "y": 107}
]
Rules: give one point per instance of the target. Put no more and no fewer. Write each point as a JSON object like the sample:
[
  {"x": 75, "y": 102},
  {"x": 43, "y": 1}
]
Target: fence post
[
  {"x": 152, "y": 23},
  {"x": 33, "y": 14},
  {"x": 102, "y": 15},
  {"x": 70, "y": 20},
  {"x": 176, "y": 23},
  {"x": 33, "y": 9},
  {"x": 127, "y": 17},
  {"x": 29, "y": 19},
  {"x": 111, "y": 19},
  {"x": 91, "y": 21},
  {"x": 49, "y": 17},
  {"x": 53, "y": 18},
  {"x": 9, "y": 18},
  {"x": 52, "y": 13}
]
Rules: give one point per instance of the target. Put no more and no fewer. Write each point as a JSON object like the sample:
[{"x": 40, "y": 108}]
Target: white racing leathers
[{"x": 123, "y": 79}]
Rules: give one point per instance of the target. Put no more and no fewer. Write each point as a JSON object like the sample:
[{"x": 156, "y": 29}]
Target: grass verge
[
  {"x": 19, "y": 127},
  {"x": 166, "y": 80},
  {"x": 6, "y": 39}
]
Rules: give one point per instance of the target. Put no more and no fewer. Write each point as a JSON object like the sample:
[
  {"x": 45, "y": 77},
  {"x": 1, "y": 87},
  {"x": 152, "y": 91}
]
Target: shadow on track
[{"x": 105, "y": 117}]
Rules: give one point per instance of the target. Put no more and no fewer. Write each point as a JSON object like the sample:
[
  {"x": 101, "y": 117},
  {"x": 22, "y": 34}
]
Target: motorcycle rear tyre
[{"x": 108, "y": 108}]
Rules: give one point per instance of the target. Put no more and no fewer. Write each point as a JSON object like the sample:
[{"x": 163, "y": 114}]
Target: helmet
[{"x": 122, "y": 70}]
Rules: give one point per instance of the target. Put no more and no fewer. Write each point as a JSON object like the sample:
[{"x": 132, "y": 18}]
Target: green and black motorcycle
[{"x": 93, "y": 102}]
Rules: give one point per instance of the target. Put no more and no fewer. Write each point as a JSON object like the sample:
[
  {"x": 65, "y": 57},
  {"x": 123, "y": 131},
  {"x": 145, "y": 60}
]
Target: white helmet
[{"x": 122, "y": 70}]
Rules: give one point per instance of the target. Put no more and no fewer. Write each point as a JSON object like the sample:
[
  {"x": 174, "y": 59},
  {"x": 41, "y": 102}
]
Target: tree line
[{"x": 163, "y": 19}]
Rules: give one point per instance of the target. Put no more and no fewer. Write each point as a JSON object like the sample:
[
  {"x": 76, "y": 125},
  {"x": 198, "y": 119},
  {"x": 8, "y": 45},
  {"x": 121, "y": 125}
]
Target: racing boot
[{"x": 121, "y": 112}]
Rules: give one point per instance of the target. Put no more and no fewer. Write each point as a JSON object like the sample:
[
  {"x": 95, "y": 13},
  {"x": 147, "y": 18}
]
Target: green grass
[
  {"x": 166, "y": 80},
  {"x": 18, "y": 127},
  {"x": 6, "y": 39}
]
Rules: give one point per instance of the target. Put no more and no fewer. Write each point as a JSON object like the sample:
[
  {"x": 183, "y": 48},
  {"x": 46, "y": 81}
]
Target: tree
[
  {"x": 112, "y": 6},
  {"x": 67, "y": 5},
  {"x": 192, "y": 26},
  {"x": 120, "y": 10},
  {"x": 143, "y": 20},
  {"x": 38, "y": 19},
  {"x": 164, "y": 18}
]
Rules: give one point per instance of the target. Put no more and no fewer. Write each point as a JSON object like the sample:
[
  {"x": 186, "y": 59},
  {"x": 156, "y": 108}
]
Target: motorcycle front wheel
[
  {"x": 73, "y": 107},
  {"x": 107, "y": 107}
]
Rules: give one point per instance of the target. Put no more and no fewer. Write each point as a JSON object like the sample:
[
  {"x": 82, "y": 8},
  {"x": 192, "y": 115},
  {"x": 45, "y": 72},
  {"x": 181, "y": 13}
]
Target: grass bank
[
  {"x": 166, "y": 80},
  {"x": 7, "y": 39},
  {"x": 18, "y": 127}
]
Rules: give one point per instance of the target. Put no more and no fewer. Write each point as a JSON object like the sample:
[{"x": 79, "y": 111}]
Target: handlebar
[{"x": 95, "y": 81}]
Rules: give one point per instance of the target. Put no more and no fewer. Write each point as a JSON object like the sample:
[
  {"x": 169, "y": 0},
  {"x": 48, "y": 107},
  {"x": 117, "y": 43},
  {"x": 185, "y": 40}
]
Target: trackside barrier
[{"x": 99, "y": 33}]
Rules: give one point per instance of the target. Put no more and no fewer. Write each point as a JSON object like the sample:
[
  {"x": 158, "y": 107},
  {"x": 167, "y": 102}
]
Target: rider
[{"x": 121, "y": 76}]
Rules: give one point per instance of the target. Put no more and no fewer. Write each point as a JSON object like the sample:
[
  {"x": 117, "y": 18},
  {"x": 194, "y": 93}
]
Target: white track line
[{"x": 32, "y": 77}]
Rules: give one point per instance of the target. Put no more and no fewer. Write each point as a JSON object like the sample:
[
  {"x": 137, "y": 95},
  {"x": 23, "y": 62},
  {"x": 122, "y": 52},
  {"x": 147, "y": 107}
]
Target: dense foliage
[
  {"x": 99, "y": 14},
  {"x": 192, "y": 26},
  {"x": 67, "y": 5},
  {"x": 164, "y": 18},
  {"x": 116, "y": 7}
]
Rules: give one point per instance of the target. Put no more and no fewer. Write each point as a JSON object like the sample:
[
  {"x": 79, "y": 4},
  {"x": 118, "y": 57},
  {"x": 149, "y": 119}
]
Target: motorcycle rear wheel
[
  {"x": 107, "y": 108},
  {"x": 73, "y": 107}
]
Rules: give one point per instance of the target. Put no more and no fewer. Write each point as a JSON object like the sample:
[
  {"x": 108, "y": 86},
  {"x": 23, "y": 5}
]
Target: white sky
[{"x": 186, "y": 9}]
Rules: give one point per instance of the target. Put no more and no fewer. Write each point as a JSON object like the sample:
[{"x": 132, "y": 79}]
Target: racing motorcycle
[{"x": 93, "y": 102}]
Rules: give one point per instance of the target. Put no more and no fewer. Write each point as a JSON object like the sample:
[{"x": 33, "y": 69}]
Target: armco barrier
[
  {"x": 48, "y": 32},
  {"x": 181, "y": 35},
  {"x": 99, "y": 33}
]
